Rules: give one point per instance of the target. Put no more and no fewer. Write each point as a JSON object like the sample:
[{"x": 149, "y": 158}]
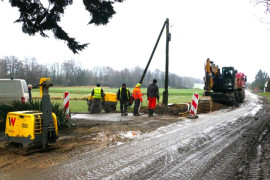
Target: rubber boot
[
  {"x": 150, "y": 112},
  {"x": 122, "y": 114},
  {"x": 125, "y": 112}
]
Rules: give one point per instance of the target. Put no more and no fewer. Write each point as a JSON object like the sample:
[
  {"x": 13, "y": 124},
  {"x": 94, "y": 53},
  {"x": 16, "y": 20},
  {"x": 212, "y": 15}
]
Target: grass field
[
  {"x": 175, "y": 96},
  {"x": 266, "y": 94}
]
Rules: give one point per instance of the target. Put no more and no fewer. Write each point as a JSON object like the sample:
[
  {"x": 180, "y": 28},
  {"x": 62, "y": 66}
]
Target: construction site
[
  {"x": 223, "y": 134},
  {"x": 218, "y": 131},
  {"x": 229, "y": 143}
]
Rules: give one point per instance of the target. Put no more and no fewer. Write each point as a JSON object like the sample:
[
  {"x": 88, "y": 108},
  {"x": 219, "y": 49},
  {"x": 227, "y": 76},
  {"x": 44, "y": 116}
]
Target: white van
[{"x": 13, "y": 89}]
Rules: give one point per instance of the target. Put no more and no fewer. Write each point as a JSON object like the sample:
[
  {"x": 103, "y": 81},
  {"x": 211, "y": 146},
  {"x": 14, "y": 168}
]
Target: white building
[{"x": 198, "y": 86}]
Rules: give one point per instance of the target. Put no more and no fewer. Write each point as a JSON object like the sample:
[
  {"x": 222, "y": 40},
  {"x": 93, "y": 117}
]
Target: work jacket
[
  {"x": 137, "y": 93},
  {"x": 123, "y": 94},
  {"x": 152, "y": 91},
  {"x": 97, "y": 93}
]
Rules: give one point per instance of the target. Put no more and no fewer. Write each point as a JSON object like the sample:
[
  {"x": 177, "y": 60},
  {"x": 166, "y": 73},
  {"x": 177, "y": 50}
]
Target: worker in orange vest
[{"x": 137, "y": 96}]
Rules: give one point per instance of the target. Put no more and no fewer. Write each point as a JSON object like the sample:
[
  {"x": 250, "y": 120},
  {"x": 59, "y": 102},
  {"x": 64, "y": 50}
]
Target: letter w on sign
[{"x": 12, "y": 121}]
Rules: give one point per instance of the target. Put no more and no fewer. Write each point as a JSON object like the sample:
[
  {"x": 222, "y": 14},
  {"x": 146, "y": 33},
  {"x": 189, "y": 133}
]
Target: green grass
[
  {"x": 58, "y": 91},
  {"x": 53, "y": 94},
  {"x": 175, "y": 96},
  {"x": 266, "y": 94}
]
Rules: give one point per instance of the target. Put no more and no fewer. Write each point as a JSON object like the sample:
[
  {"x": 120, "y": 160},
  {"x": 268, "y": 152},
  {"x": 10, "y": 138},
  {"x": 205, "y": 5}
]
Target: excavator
[{"x": 225, "y": 87}]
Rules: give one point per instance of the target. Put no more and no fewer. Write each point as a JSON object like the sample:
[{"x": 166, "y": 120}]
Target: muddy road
[{"x": 227, "y": 144}]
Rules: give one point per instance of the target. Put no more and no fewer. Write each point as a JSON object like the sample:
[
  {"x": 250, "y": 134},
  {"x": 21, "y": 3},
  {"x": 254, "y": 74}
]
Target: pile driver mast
[{"x": 168, "y": 38}]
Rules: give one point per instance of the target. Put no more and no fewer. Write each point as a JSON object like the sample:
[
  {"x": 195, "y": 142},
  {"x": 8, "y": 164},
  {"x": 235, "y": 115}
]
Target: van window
[{"x": 25, "y": 88}]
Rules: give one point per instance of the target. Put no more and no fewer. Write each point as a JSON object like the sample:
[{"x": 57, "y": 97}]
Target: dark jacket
[
  {"x": 152, "y": 91},
  {"x": 125, "y": 94}
]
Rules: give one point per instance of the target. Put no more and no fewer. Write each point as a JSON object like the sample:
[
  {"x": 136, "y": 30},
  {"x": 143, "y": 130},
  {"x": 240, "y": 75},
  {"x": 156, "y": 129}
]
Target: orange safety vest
[{"x": 137, "y": 93}]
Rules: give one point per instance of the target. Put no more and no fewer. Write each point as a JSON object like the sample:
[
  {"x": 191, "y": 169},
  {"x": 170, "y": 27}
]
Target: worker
[
  {"x": 153, "y": 97},
  {"x": 137, "y": 96},
  {"x": 98, "y": 96},
  {"x": 123, "y": 95}
]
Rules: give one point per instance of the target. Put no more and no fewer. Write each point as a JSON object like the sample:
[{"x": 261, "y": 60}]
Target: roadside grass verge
[{"x": 266, "y": 94}]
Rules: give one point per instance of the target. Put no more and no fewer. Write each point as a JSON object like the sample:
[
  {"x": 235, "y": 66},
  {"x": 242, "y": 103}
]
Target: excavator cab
[{"x": 228, "y": 78}]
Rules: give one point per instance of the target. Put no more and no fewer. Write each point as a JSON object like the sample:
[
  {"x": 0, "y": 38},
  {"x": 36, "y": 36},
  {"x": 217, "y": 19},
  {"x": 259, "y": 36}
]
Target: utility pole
[{"x": 168, "y": 39}]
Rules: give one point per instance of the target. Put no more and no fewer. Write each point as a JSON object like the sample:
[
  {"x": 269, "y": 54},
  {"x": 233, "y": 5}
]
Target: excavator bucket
[{"x": 205, "y": 104}]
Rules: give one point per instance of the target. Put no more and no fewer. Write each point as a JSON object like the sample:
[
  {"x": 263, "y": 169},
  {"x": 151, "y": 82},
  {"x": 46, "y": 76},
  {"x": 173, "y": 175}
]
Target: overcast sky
[{"x": 229, "y": 32}]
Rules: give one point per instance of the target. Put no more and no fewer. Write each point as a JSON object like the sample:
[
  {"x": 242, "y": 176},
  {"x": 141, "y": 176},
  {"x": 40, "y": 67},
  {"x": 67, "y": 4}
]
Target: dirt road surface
[{"x": 232, "y": 143}]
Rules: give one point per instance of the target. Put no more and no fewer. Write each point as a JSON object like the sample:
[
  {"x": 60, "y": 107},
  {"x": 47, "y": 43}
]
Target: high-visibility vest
[
  {"x": 121, "y": 92},
  {"x": 137, "y": 93},
  {"x": 97, "y": 93}
]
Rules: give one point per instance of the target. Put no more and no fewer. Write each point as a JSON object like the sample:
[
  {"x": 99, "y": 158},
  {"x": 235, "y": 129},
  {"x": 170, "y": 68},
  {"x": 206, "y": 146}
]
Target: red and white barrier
[
  {"x": 66, "y": 103},
  {"x": 194, "y": 104}
]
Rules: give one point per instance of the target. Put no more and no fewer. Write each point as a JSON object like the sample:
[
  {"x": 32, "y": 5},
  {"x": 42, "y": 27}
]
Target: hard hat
[{"x": 138, "y": 85}]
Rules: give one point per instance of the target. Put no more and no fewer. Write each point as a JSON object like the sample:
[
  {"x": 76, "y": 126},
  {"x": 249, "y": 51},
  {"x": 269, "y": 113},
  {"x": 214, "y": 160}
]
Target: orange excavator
[{"x": 226, "y": 88}]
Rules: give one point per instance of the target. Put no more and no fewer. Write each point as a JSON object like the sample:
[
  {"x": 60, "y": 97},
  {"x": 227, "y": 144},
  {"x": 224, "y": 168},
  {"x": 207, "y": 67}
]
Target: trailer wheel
[
  {"x": 110, "y": 108},
  {"x": 107, "y": 109},
  {"x": 113, "y": 108}
]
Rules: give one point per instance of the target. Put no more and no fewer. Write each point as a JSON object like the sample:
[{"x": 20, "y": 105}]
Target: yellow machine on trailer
[
  {"x": 33, "y": 128},
  {"x": 109, "y": 102}
]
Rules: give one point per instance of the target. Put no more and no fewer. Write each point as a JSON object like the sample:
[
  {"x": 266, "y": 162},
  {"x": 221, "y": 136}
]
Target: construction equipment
[
  {"x": 226, "y": 88},
  {"x": 168, "y": 39},
  {"x": 33, "y": 128},
  {"x": 109, "y": 102}
]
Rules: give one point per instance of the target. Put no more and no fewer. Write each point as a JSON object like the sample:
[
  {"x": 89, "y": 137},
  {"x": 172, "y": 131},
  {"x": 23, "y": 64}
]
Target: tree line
[
  {"x": 260, "y": 82},
  {"x": 70, "y": 73}
]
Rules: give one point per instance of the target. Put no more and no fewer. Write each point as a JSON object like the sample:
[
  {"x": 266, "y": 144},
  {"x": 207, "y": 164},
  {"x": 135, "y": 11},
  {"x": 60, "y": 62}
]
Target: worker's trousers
[
  {"x": 123, "y": 105},
  {"x": 137, "y": 103},
  {"x": 96, "y": 106}
]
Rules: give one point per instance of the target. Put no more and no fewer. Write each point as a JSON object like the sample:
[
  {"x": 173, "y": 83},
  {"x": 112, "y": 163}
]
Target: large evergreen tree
[
  {"x": 260, "y": 79},
  {"x": 36, "y": 18}
]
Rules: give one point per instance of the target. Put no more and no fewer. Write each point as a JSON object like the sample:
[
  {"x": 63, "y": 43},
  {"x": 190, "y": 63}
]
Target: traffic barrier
[
  {"x": 194, "y": 104},
  {"x": 66, "y": 104}
]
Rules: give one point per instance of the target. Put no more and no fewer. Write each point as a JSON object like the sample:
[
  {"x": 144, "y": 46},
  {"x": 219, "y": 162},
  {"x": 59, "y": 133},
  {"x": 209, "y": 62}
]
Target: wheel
[
  {"x": 242, "y": 95},
  {"x": 107, "y": 109},
  {"x": 241, "y": 98},
  {"x": 236, "y": 98},
  {"x": 113, "y": 108}
]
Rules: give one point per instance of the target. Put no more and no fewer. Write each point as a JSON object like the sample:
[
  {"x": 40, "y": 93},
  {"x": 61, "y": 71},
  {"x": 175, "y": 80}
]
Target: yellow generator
[
  {"x": 109, "y": 101},
  {"x": 33, "y": 128}
]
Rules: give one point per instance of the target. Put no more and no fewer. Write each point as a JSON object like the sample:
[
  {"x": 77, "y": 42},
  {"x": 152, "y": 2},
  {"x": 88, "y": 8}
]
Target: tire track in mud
[
  {"x": 258, "y": 167},
  {"x": 175, "y": 151}
]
